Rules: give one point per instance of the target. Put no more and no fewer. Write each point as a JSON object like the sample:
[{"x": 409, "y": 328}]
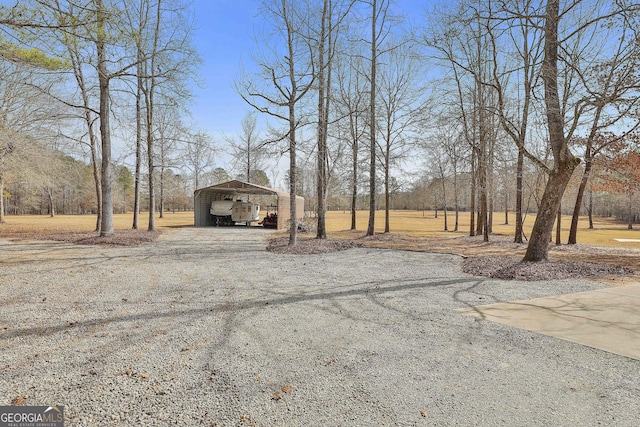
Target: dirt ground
[
  {"x": 499, "y": 258},
  {"x": 204, "y": 327}
]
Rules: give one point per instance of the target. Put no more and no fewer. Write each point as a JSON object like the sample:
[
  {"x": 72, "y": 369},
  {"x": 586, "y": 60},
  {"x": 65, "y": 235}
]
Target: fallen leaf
[
  {"x": 18, "y": 400},
  {"x": 276, "y": 396},
  {"x": 423, "y": 414},
  {"x": 287, "y": 389},
  {"x": 144, "y": 375}
]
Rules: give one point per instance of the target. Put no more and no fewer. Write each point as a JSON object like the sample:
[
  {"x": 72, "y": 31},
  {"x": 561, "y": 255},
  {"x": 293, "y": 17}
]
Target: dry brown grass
[
  {"x": 422, "y": 231},
  {"x": 80, "y": 228},
  {"x": 424, "y": 224},
  {"x": 417, "y": 230},
  {"x": 411, "y": 225},
  {"x": 43, "y": 224}
]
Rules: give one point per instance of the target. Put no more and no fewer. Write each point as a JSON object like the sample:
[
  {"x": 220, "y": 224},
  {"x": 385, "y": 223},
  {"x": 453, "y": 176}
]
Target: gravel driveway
[{"x": 204, "y": 327}]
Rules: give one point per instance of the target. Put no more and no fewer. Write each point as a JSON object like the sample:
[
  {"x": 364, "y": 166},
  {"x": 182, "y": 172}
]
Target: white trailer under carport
[{"x": 203, "y": 197}]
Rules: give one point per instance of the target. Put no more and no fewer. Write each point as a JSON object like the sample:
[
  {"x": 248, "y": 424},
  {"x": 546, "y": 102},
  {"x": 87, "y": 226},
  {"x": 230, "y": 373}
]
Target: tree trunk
[
  {"x": 322, "y": 132},
  {"x": 150, "y": 123},
  {"x": 293, "y": 177},
  {"x": 139, "y": 123},
  {"x": 151, "y": 167},
  {"x": 98, "y": 185},
  {"x": 161, "y": 207},
  {"x": 50, "y": 202},
  {"x": 590, "y": 210},
  {"x": 472, "y": 202},
  {"x": 354, "y": 188},
  {"x": 387, "y": 213},
  {"x": 559, "y": 226},
  {"x": 630, "y": 214},
  {"x": 490, "y": 193},
  {"x": 372, "y": 123},
  {"x": 106, "y": 228},
  {"x": 506, "y": 209},
  {"x": 93, "y": 143},
  {"x": 573, "y": 231},
  {"x": 444, "y": 213},
  {"x": 519, "y": 184},
  {"x": 564, "y": 161},
  {"x": 455, "y": 196},
  {"x": 444, "y": 199},
  {"x": 483, "y": 221},
  {"x": 2, "y": 220},
  {"x": 537, "y": 250}
]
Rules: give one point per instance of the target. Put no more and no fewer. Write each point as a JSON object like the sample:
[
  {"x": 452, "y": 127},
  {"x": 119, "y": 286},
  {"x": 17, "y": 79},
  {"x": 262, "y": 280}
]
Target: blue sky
[{"x": 225, "y": 39}]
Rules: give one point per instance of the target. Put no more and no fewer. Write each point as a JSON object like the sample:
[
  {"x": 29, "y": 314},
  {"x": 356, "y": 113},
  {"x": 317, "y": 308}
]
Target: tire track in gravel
[{"x": 203, "y": 326}]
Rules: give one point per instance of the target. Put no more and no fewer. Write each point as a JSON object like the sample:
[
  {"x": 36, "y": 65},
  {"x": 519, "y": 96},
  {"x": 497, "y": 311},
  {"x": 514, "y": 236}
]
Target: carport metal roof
[{"x": 240, "y": 187}]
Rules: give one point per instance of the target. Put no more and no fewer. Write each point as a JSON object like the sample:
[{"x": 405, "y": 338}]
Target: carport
[{"x": 235, "y": 189}]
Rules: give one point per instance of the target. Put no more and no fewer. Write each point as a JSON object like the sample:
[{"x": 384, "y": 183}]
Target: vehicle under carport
[{"x": 235, "y": 189}]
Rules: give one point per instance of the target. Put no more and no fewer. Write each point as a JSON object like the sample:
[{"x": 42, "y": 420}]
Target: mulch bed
[
  {"x": 119, "y": 238},
  {"x": 513, "y": 268},
  {"x": 309, "y": 246}
]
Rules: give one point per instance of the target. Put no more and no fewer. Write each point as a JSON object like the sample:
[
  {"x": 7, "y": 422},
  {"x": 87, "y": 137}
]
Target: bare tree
[
  {"x": 563, "y": 121},
  {"x": 78, "y": 50},
  {"x": 104, "y": 77},
  {"x": 399, "y": 92},
  {"x": 149, "y": 92},
  {"x": 379, "y": 31},
  {"x": 333, "y": 14},
  {"x": 286, "y": 77},
  {"x": 612, "y": 85},
  {"x": 351, "y": 103},
  {"x": 34, "y": 55},
  {"x": 380, "y": 24},
  {"x": 444, "y": 147},
  {"x": 169, "y": 132},
  {"x": 198, "y": 155},
  {"x": 461, "y": 46},
  {"x": 526, "y": 51},
  {"x": 7, "y": 147},
  {"x": 564, "y": 162},
  {"x": 249, "y": 152},
  {"x": 165, "y": 60}
]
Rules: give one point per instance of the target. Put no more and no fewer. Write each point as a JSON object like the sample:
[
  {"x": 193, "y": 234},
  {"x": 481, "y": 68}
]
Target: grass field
[{"x": 414, "y": 223}]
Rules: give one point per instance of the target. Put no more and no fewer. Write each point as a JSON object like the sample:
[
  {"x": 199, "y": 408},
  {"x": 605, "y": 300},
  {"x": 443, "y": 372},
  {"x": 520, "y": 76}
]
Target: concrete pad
[
  {"x": 628, "y": 240},
  {"x": 606, "y": 319}
]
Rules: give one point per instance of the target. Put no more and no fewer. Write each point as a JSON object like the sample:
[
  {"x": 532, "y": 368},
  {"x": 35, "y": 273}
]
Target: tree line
[
  {"x": 497, "y": 96},
  {"x": 75, "y": 75},
  {"x": 78, "y": 75},
  {"x": 482, "y": 106}
]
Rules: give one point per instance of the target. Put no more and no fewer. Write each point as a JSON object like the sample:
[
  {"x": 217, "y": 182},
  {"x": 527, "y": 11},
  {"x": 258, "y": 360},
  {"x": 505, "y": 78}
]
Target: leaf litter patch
[{"x": 513, "y": 268}]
